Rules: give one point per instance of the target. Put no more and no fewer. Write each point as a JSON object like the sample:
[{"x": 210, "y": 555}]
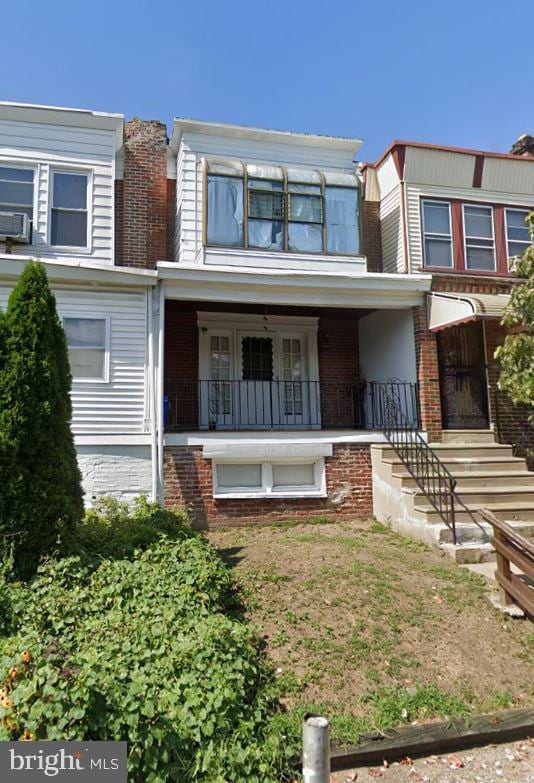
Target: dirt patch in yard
[{"x": 374, "y": 628}]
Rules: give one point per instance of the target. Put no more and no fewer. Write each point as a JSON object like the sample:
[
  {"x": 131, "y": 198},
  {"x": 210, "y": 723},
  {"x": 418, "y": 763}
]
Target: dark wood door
[{"x": 462, "y": 374}]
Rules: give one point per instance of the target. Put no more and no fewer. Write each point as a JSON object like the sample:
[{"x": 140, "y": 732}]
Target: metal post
[{"x": 315, "y": 749}]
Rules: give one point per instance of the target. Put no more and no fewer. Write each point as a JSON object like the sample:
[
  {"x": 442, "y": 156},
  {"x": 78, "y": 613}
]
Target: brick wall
[
  {"x": 188, "y": 482},
  {"x": 371, "y": 235},
  {"x": 142, "y": 230},
  {"x": 426, "y": 353}
]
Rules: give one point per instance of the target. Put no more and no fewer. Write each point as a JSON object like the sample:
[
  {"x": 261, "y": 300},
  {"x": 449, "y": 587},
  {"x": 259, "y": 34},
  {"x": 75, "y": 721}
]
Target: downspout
[
  {"x": 152, "y": 397},
  {"x": 159, "y": 395}
]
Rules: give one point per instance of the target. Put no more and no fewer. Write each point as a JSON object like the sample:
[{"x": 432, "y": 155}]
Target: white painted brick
[{"x": 121, "y": 471}]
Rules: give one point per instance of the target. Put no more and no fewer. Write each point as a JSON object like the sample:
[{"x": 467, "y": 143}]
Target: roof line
[{"x": 444, "y": 148}]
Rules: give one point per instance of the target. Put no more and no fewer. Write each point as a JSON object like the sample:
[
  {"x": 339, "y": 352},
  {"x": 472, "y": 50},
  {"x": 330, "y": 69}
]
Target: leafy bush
[
  {"x": 40, "y": 483},
  {"x": 111, "y": 529},
  {"x": 143, "y": 649}
]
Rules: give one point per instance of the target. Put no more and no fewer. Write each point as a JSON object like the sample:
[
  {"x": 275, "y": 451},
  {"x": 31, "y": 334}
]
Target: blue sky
[{"x": 454, "y": 72}]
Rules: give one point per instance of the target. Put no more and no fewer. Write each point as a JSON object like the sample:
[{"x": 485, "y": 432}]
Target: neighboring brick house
[{"x": 459, "y": 215}]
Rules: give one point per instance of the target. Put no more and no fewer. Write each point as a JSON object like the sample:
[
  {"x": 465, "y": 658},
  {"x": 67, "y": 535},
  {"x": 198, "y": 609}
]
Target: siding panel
[
  {"x": 117, "y": 406},
  {"x": 47, "y": 146}
]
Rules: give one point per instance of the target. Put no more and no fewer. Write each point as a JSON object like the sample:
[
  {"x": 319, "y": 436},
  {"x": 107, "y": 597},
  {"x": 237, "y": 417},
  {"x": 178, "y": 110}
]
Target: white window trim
[
  {"x": 86, "y": 172},
  {"x": 107, "y": 343},
  {"x": 480, "y": 247},
  {"x": 267, "y": 490},
  {"x": 527, "y": 244},
  {"x": 14, "y": 164},
  {"x": 433, "y": 234}
]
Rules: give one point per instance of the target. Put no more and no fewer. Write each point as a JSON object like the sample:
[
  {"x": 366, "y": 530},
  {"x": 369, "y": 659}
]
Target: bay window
[
  {"x": 280, "y": 213},
  {"x": 517, "y": 232},
  {"x": 437, "y": 233},
  {"x": 479, "y": 239},
  {"x": 225, "y": 210}
]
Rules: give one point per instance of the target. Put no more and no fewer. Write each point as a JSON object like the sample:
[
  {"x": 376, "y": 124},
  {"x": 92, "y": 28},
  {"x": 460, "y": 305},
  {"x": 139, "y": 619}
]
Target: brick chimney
[
  {"x": 142, "y": 211},
  {"x": 524, "y": 145}
]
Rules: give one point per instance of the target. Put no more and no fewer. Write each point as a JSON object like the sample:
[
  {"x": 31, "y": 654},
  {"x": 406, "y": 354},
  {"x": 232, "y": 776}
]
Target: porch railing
[
  {"x": 283, "y": 405},
  {"x": 421, "y": 461}
]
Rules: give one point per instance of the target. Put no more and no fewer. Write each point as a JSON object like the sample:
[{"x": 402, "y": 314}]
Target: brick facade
[
  {"x": 371, "y": 235},
  {"x": 513, "y": 421},
  {"x": 426, "y": 353},
  {"x": 188, "y": 483},
  {"x": 142, "y": 212}
]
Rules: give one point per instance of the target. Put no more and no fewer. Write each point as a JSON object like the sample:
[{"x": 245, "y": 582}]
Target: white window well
[
  {"x": 286, "y": 478},
  {"x": 88, "y": 344}
]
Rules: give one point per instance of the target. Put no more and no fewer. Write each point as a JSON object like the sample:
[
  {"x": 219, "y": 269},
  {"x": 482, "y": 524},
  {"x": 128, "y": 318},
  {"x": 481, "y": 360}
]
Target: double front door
[
  {"x": 463, "y": 382},
  {"x": 254, "y": 380}
]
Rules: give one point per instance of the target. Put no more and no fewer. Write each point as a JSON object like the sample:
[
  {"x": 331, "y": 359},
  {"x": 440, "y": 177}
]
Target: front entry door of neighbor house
[{"x": 462, "y": 371}]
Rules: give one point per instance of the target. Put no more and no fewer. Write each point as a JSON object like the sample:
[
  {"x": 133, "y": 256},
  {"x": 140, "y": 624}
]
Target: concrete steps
[{"x": 488, "y": 477}]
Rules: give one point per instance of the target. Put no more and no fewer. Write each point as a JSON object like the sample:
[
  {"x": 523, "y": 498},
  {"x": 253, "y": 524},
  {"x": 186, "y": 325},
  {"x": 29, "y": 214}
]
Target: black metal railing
[
  {"x": 430, "y": 474},
  {"x": 283, "y": 405}
]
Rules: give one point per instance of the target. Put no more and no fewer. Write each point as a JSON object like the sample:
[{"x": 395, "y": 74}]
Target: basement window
[{"x": 269, "y": 479}]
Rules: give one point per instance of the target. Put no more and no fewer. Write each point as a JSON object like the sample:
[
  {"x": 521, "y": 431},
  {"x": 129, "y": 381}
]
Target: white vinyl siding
[
  {"x": 118, "y": 405},
  {"x": 47, "y": 147},
  {"x": 392, "y": 231}
]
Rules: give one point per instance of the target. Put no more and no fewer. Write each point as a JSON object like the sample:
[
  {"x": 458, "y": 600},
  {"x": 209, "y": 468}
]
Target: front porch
[{"x": 251, "y": 369}]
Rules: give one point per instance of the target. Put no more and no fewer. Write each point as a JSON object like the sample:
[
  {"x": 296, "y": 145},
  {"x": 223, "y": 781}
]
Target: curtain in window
[
  {"x": 342, "y": 220},
  {"x": 266, "y": 214},
  {"x": 305, "y": 233},
  {"x": 225, "y": 210}
]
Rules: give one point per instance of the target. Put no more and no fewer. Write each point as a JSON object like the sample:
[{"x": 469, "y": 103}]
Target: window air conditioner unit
[{"x": 15, "y": 226}]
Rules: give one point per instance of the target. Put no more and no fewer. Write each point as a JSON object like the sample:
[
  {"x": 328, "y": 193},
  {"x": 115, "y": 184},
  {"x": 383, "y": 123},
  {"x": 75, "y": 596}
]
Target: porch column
[{"x": 426, "y": 350}]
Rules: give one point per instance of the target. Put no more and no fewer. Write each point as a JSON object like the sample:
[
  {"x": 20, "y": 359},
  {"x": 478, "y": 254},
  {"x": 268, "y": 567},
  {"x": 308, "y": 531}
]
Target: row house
[{"x": 251, "y": 314}]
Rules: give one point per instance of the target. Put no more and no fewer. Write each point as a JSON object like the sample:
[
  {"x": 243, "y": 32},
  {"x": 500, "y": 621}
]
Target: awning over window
[{"x": 449, "y": 309}]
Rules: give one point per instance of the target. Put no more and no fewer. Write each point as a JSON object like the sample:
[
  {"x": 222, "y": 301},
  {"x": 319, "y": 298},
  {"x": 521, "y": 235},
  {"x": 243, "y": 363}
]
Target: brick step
[
  {"x": 468, "y": 436},
  {"x": 498, "y": 464},
  {"x": 480, "y": 496},
  {"x": 509, "y": 511},
  {"x": 446, "y": 451},
  {"x": 477, "y": 478}
]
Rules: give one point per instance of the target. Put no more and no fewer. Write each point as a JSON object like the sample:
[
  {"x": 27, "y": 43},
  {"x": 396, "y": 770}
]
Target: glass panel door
[
  {"x": 216, "y": 399},
  {"x": 255, "y": 393}
]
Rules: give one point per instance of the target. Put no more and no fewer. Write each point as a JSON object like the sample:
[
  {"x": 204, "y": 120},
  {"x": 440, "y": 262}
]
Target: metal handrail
[{"x": 430, "y": 474}]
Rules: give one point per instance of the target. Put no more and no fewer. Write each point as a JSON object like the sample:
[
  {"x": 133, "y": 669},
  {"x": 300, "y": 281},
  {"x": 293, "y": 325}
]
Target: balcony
[{"x": 242, "y": 405}]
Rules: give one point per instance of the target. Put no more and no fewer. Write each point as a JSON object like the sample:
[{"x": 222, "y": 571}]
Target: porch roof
[
  {"x": 279, "y": 287},
  {"x": 449, "y": 309}
]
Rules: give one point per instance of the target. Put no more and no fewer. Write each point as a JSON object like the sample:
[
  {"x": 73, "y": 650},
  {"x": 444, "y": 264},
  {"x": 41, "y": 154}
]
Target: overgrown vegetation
[
  {"x": 41, "y": 496},
  {"x": 516, "y": 355},
  {"x": 146, "y": 644}
]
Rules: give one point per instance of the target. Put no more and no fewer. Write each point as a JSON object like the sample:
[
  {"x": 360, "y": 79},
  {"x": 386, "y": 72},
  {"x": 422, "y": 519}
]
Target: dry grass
[{"x": 373, "y": 627}]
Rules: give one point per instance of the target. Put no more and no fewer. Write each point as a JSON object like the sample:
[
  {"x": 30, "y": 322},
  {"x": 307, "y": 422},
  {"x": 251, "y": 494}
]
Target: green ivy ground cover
[{"x": 148, "y": 646}]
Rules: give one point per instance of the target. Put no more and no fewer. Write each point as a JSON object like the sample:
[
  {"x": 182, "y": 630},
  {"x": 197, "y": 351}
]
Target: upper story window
[
  {"x": 517, "y": 233},
  {"x": 437, "y": 233},
  {"x": 479, "y": 237},
  {"x": 87, "y": 340},
  {"x": 16, "y": 190},
  {"x": 275, "y": 214},
  {"x": 68, "y": 227}
]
